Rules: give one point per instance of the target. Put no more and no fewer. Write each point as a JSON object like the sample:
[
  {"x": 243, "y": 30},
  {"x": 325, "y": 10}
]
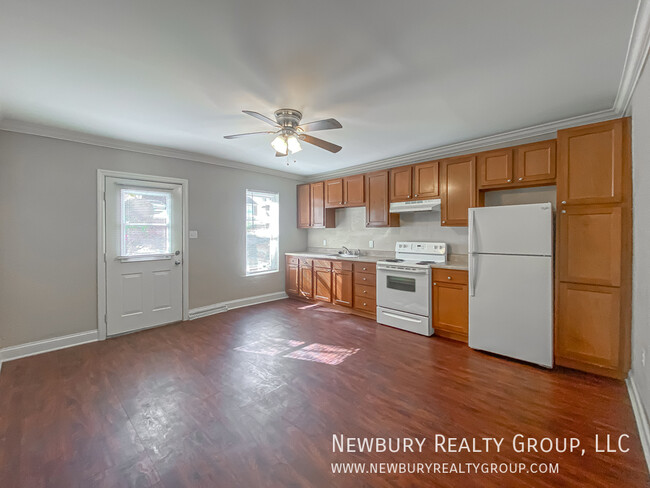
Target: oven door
[{"x": 404, "y": 290}]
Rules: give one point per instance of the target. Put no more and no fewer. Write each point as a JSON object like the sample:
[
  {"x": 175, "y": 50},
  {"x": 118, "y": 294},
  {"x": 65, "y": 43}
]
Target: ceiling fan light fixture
[
  {"x": 293, "y": 144},
  {"x": 280, "y": 144}
]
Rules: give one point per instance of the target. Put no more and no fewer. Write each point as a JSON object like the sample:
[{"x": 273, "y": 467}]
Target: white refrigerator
[{"x": 511, "y": 281}]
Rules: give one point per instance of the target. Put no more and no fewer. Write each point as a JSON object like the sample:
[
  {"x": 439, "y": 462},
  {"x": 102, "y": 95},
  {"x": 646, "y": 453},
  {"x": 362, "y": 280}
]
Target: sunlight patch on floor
[{"x": 320, "y": 353}]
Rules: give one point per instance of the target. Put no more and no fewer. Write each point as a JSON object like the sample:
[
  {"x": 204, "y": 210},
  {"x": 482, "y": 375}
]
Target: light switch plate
[
  {"x": 371, "y": 244},
  {"x": 194, "y": 234},
  {"x": 324, "y": 242}
]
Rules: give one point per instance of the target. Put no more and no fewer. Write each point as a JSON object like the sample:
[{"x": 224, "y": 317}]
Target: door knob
[
  {"x": 177, "y": 253},
  {"x": 177, "y": 262}
]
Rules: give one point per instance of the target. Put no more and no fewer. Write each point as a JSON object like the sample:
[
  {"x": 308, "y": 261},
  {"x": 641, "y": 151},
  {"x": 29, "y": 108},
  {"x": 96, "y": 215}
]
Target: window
[
  {"x": 262, "y": 231},
  {"x": 146, "y": 222}
]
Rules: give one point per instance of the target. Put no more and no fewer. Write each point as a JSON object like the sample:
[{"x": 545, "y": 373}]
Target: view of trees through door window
[
  {"x": 146, "y": 222},
  {"x": 262, "y": 231}
]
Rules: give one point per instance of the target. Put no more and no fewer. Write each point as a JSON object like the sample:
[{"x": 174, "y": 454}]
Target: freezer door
[
  {"x": 512, "y": 229},
  {"x": 511, "y": 310}
]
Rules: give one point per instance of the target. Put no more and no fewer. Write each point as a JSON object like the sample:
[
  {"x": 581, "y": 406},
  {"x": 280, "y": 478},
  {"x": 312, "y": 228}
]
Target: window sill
[{"x": 260, "y": 273}]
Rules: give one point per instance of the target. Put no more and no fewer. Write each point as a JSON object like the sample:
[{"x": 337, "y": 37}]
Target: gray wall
[
  {"x": 48, "y": 232},
  {"x": 351, "y": 228},
  {"x": 641, "y": 273}
]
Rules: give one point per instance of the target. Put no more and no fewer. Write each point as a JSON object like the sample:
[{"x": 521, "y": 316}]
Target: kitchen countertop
[{"x": 454, "y": 261}]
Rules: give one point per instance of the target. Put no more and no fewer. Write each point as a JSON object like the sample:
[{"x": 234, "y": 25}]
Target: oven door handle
[{"x": 395, "y": 270}]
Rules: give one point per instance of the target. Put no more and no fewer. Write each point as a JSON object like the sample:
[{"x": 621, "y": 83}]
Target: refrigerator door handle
[
  {"x": 472, "y": 247},
  {"x": 472, "y": 274}
]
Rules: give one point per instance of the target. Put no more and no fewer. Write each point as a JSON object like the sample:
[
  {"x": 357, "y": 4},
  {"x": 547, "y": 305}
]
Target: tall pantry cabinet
[{"x": 594, "y": 248}]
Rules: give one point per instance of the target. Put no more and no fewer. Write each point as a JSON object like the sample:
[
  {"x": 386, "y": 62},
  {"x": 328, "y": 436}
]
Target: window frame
[{"x": 277, "y": 260}]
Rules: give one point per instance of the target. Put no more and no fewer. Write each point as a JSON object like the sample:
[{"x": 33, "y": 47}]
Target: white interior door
[{"x": 144, "y": 254}]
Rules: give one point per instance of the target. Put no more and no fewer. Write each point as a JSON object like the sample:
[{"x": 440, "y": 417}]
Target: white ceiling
[{"x": 399, "y": 76}]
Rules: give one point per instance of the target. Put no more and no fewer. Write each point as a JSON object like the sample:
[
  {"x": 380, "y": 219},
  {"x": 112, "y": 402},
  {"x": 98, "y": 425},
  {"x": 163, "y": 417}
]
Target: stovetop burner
[{"x": 391, "y": 260}]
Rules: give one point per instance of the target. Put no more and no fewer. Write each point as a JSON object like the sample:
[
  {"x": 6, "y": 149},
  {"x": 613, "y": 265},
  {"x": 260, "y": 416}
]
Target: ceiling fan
[{"x": 289, "y": 133}]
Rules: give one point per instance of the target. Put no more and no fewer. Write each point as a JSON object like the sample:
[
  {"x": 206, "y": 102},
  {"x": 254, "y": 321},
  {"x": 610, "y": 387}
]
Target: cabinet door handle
[
  {"x": 416, "y": 195},
  {"x": 364, "y": 279},
  {"x": 521, "y": 179},
  {"x": 444, "y": 221},
  {"x": 509, "y": 181},
  {"x": 563, "y": 202},
  {"x": 563, "y": 211},
  {"x": 434, "y": 283},
  {"x": 448, "y": 277},
  {"x": 340, "y": 203}
]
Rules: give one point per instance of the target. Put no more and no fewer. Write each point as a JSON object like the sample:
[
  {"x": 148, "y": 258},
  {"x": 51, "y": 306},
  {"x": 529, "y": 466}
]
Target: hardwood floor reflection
[{"x": 241, "y": 399}]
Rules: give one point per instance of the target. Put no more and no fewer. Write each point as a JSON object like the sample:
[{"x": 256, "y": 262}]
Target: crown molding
[
  {"x": 520, "y": 136},
  {"x": 637, "y": 53},
  {"x": 13, "y": 125}
]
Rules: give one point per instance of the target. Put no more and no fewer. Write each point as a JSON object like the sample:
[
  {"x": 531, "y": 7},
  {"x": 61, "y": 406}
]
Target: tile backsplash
[
  {"x": 351, "y": 228},
  {"x": 351, "y": 232}
]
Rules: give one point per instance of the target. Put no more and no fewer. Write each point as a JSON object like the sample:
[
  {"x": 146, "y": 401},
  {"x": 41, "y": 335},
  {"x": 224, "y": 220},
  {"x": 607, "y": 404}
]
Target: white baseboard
[
  {"x": 47, "y": 345},
  {"x": 197, "y": 313},
  {"x": 641, "y": 417}
]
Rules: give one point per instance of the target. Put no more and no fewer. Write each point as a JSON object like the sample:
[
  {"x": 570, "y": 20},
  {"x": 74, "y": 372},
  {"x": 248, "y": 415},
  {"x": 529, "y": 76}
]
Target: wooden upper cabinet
[
  {"x": 589, "y": 325},
  {"x": 334, "y": 193},
  {"x": 590, "y": 240},
  {"x": 318, "y": 204},
  {"x": 425, "y": 180},
  {"x": 590, "y": 163},
  {"x": 304, "y": 206},
  {"x": 458, "y": 189},
  {"x": 495, "y": 168},
  {"x": 401, "y": 183},
  {"x": 345, "y": 192},
  {"x": 377, "y": 204},
  {"x": 535, "y": 163},
  {"x": 354, "y": 191}
]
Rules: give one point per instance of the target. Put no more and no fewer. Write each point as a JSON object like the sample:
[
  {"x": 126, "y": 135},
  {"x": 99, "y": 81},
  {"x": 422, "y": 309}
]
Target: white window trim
[
  {"x": 101, "y": 240},
  {"x": 260, "y": 273}
]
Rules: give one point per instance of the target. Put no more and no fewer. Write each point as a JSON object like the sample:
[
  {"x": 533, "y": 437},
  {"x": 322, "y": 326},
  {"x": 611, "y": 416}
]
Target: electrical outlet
[
  {"x": 324, "y": 242},
  {"x": 194, "y": 234},
  {"x": 371, "y": 244}
]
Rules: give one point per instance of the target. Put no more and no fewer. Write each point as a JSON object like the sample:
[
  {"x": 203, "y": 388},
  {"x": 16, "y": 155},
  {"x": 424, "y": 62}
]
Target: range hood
[{"x": 415, "y": 206}]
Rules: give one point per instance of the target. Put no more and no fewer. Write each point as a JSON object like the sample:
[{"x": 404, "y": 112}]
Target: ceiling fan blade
[
  {"x": 328, "y": 146},
  {"x": 263, "y": 118},
  {"x": 325, "y": 124},
  {"x": 236, "y": 136},
  {"x": 279, "y": 154}
]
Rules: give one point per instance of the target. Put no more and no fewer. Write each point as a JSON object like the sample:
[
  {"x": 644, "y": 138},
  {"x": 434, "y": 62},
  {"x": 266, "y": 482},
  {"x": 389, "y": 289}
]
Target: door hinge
[{"x": 105, "y": 319}]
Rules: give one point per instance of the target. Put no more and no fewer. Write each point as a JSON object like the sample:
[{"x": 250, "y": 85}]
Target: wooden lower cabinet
[
  {"x": 338, "y": 283},
  {"x": 306, "y": 285},
  {"x": 450, "y": 304},
  {"x": 292, "y": 276},
  {"x": 342, "y": 287},
  {"x": 323, "y": 283},
  {"x": 589, "y": 324}
]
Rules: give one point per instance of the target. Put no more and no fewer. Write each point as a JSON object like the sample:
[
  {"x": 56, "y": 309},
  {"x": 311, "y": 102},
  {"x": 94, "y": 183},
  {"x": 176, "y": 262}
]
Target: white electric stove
[{"x": 404, "y": 286}]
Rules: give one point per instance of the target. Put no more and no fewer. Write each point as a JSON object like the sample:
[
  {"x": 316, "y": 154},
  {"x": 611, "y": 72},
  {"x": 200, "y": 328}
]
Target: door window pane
[
  {"x": 146, "y": 222},
  {"x": 262, "y": 231}
]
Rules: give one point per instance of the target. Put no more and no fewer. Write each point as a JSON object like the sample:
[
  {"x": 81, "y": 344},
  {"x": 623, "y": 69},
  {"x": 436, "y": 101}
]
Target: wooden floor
[{"x": 187, "y": 405}]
